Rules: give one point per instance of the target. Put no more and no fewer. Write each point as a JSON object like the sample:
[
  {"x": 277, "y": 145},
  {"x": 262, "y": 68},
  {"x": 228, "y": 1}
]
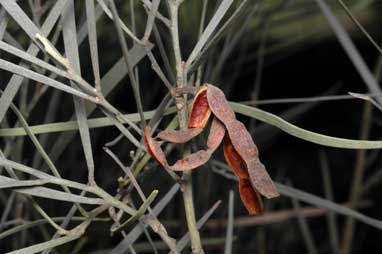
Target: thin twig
[{"x": 182, "y": 118}]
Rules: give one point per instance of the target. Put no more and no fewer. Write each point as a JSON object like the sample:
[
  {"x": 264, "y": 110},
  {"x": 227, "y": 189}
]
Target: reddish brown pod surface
[
  {"x": 153, "y": 148},
  {"x": 246, "y": 148},
  {"x": 200, "y": 110},
  {"x": 250, "y": 198},
  {"x": 219, "y": 104},
  {"x": 240, "y": 150},
  {"x": 234, "y": 160}
]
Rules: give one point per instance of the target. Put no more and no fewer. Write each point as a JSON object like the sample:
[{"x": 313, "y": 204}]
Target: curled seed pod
[
  {"x": 240, "y": 150},
  {"x": 234, "y": 160},
  {"x": 260, "y": 179},
  {"x": 219, "y": 105},
  {"x": 250, "y": 198},
  {"x": 192, "y": 161},
  {"x": 197, "y": 159},
  {"x": 217, "y": 132},
  {"x": 200, "y": 110},
  {"x": 246, "y": 148},
  {"x": 241, "y": 140},
  {"x": 179, "y": 136},
  {"x": 154, "y": 149}
]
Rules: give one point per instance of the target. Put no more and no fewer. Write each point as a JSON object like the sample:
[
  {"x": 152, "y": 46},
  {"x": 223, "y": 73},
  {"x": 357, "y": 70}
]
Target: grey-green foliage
[{"x": 143, "y": 32}]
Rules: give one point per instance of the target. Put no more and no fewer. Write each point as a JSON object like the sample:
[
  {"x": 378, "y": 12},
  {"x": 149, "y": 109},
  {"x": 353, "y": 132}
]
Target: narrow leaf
[
  {"x": 46, "y": 245},
  {"x": 59, "y": 195},
  {"x": 71, "y": 49},
  {"x": 224, "y": 6},
  {"x": 304, "y": 134},
  {"x": 22, "y": 71},
  {"x": 142, "y": 209}
]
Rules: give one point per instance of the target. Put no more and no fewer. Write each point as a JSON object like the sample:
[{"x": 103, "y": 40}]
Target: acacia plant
[{"x": 56, "y": 82}]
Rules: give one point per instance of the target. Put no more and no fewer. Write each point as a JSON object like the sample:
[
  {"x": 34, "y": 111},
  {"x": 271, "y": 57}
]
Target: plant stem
[{"x": 181, "y": 81}]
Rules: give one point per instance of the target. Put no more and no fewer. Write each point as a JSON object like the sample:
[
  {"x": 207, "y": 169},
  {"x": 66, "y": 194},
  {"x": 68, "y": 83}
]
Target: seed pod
[
  {"x": 240, "y": 150},
  {"x": 250, "y": 198},
  {"x": 234, "y": 160},
  {"x": 217, "y": 132},
  {"x": 154, "y": 149},
  {"x": 219, "y": 104},
  {"x": 200, "y": 110},
  {"x": 192, "y": 161},
  {"x": 197, "y": 159},
  {"x": 246, "y": 148},
  {"x": 179, "y": 136}
]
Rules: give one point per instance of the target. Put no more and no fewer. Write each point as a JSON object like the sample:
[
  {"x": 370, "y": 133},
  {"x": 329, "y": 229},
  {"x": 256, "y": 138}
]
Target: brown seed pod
[
  {"x": 250, "y": 198},
  {"x": 153, "y": 148},
  {"x": 191, "y": 161},
  {"x": 219, "y": 104},
  {"x": 247, "y": 149},
  {"x": 234, "y": 160},
  {"x": 240, "y": 150},
  {"x": 200, "y": 110},
  {"x": 197, "y": 159},
  {"x": 217, "y": 132},
  {"x": 179, "y": 136}
]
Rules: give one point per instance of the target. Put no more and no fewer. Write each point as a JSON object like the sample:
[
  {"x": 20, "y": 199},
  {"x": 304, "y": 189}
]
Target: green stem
[{"x": 181, "y": 81}]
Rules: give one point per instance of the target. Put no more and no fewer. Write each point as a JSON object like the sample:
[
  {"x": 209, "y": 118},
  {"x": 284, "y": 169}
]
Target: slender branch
[{"x": 181, "y": 81}]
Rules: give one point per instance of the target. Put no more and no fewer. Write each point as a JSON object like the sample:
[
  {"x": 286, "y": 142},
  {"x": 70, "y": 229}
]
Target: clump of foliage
[{"x": 77, "y": 78}]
